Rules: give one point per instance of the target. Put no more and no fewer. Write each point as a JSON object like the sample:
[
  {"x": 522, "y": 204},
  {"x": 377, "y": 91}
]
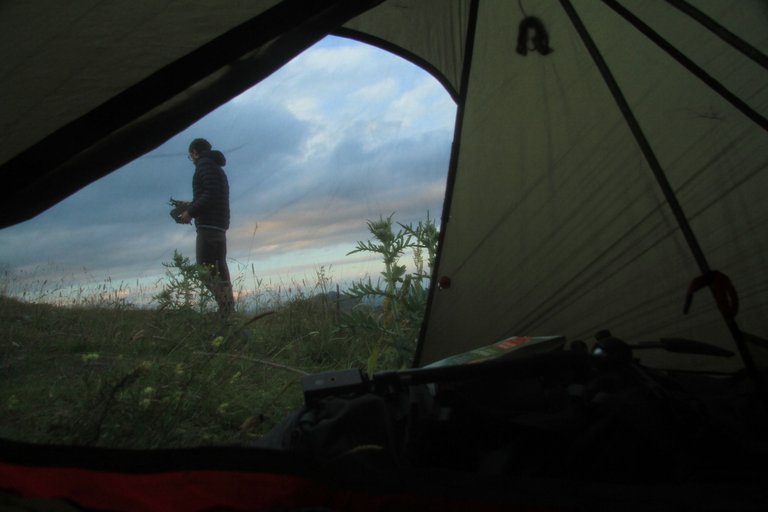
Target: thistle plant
[
  {"x": 391, "y": 330},
  {"x": 184, "y": 288}
]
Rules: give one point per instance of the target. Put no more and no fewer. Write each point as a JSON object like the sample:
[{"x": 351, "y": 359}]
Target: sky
[{"x": 342, "y": 134}]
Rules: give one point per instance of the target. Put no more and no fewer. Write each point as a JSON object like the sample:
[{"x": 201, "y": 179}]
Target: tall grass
[{"x": 95, "y": 370}]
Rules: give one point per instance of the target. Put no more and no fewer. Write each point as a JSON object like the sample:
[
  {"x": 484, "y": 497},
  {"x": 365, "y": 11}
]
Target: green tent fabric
[
  {"x": 560, "y": 218},
  {"x": 557, "y": 223}
]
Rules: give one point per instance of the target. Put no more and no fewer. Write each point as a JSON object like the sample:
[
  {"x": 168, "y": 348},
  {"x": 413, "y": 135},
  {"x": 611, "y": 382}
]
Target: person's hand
[{"x": 185, "y": 217}]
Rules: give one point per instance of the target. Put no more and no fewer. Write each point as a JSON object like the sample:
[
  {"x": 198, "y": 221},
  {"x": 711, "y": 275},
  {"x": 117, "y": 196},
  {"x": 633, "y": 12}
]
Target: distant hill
[{"x": 345, "y": 303}]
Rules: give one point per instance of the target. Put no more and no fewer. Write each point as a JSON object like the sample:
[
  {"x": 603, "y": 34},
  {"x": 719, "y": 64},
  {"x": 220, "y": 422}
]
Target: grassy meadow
[
  {"x": 106, "y": 373},
  {"x": 148, "y": 378}
]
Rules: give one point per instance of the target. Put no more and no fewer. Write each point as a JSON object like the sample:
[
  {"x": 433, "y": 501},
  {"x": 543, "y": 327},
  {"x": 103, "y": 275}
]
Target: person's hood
[{"x": 215, "y": 155}]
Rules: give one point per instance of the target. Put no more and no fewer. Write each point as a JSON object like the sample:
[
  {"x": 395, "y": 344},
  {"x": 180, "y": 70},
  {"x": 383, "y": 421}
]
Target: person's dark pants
[{"x": 211, "y": 252}]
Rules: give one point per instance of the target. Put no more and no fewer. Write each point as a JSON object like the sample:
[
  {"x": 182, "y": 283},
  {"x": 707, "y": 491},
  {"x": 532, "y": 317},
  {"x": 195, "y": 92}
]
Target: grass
[
  {"x": 91, "y": 369},
  {"x": 144, "y": 378}
]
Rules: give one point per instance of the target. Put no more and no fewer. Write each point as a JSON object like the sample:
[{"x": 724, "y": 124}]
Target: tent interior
[{"x": 608, "y": 173}]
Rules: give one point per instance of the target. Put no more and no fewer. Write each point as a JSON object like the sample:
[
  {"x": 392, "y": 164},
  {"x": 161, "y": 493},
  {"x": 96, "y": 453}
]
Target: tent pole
[
  {"x": 469, "y": 46},
  {"x": 720, "y": 31},
  {"x": 666, "y": 187},
  {"x": 688, "y": 64}
]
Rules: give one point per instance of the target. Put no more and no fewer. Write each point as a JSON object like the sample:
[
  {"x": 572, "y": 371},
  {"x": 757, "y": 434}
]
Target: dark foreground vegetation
[{"x": 149, "y": 378}]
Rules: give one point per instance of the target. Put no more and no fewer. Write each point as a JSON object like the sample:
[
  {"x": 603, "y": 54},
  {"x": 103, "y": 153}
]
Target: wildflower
[
  {"x": 180, "y": 369},
  {"x": 145, "y": 403},
  {"x": 223, "y": 408},
  {"x": 149, "y": 390},
  {"x": 217, "y": 341},
  {"x": 91, "y": 356}
]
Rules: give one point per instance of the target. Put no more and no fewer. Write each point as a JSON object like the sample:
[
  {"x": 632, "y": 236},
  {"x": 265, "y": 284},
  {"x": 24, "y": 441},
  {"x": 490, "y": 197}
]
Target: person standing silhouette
[{"x": 210, "y": 210}]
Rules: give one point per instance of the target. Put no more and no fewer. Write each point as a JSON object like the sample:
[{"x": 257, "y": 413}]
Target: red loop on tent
[
  {"x": 444, "y": 282},
  {"x": 725, "y": 293}
]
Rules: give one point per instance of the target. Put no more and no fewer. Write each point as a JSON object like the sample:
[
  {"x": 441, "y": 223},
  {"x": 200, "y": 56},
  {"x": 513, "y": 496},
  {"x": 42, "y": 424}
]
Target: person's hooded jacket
[{"x": 210, "y": 192}]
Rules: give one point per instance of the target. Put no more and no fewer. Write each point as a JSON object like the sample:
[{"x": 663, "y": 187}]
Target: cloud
[
  {"x": 342, "y": 134},
  {"x": 383, "y": 89},
  {"x": 332, "y": 59}
]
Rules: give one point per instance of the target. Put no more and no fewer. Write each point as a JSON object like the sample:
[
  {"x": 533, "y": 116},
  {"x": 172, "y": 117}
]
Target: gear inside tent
[{"x": 596, "y": 329}]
